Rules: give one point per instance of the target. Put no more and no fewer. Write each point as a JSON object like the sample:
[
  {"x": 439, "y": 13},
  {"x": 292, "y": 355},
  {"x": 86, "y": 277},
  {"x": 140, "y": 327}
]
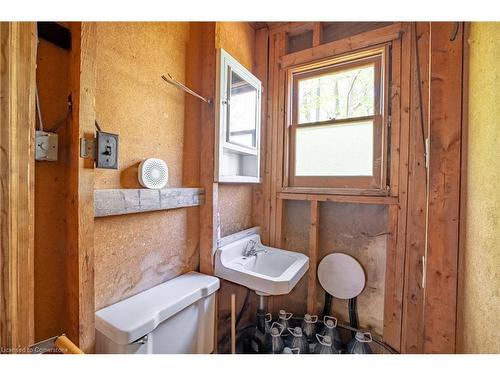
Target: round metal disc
[{"x": 341, "y": 275}]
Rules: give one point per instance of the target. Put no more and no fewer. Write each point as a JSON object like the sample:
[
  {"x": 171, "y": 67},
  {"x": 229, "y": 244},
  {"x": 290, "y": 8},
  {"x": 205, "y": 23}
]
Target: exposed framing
[
  {"x": 459, "y": 338},
  {"x": 19, "y": 45},
  {"x": 209, "y": 210},
  {"x": 80, "y": 201},
  {"x": 445, "y": 117},
  {"x": 405, "y": 327},
  {"x": 279, "y": 62},
  {"x": 18, "y": 42}
]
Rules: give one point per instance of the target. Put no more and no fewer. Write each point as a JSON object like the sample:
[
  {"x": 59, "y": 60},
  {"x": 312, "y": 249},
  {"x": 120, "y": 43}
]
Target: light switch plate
[
  {"x": 46, "y": 146},
  {"x": 107, "y": 150}
]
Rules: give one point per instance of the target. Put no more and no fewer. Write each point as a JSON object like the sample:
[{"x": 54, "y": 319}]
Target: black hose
[
  {"x": 243, "y": 307},
  {"x": 328, "y": 304},
  {"x": 353, "y": 314}
]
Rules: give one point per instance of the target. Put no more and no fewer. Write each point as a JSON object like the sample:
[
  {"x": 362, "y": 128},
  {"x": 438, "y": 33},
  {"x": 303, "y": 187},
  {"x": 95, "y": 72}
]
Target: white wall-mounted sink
[{"x": 273, "y": 272}]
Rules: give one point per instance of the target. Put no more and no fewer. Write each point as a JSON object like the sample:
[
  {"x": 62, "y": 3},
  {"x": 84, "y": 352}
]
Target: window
[{"x": 337, "y": 123}]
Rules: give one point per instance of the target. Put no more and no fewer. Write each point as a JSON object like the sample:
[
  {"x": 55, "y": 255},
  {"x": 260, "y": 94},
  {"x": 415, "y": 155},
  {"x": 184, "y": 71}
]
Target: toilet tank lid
[{"x": 130, "y": 319}]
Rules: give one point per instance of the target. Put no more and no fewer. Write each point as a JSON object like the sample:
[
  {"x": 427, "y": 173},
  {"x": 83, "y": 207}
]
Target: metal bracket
[{"x": 87, "y": 148}]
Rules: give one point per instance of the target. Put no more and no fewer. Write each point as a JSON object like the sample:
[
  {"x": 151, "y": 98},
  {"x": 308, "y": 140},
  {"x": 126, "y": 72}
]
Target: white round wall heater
[{"x": 153, "y": 173}]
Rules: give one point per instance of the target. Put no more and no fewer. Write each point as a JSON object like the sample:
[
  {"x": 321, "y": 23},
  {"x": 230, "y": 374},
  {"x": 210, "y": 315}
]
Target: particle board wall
[
  {"x": 346, "y": 228},
  {"x": 359, "y": 230},
  {"x": 479, "y": 296},
  {"x": 136, "y": 252},
  {"x": 50, "y": 194},
  {"x": 235, "y": 201}
]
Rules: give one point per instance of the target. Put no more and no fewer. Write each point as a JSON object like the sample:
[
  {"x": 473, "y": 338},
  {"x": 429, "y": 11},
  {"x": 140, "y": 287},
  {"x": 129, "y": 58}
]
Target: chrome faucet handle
[
  {"x": 261, "y": 248},
  {"x": 249, "y": 248}
]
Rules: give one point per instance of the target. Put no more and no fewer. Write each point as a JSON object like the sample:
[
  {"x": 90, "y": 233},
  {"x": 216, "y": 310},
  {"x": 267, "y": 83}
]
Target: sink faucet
[{"x": 252, "y": 248}]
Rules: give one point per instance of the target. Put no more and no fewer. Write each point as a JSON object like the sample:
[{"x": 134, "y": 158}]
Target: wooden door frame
[
  {"x": 17, "y": 87},
  {"x": 17, "y": 165}
]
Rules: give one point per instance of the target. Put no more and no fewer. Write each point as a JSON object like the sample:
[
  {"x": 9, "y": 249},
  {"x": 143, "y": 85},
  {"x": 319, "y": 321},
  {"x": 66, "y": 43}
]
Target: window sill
[
  {"x": 365, "y": 199},
  {"x": 335, "y": 191}
]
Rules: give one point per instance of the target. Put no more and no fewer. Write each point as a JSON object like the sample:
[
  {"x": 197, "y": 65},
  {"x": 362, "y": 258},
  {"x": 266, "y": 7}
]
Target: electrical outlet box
[
  {"x": 107, "y": 150},
  {"x": 46, "y": 146}
]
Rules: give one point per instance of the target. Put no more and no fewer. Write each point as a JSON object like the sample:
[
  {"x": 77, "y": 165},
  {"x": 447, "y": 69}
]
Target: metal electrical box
[
  {"x": 46, "y": 146},
  {"x": 103, "y": 150}
]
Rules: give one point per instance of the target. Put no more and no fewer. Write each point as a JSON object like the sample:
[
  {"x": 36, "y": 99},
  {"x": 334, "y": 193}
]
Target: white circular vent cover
[
  {"x": 341, "y": 275},
  {"x": 153, "y": 173}
]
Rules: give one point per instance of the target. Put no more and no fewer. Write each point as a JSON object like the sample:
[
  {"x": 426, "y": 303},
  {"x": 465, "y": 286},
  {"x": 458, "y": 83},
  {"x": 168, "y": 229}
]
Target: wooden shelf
[{"x": 110, "y": 202}]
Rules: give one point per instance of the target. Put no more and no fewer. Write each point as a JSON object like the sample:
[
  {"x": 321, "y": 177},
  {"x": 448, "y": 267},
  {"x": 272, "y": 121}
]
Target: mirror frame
[{"x": 225, "y": 65}]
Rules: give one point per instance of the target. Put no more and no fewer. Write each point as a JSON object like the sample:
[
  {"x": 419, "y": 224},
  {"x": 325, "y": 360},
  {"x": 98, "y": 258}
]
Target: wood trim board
[
  {"x": 339, "y": 47},
  {"x": 18, "y": 43},
  {"x": 445, "y": 117},
  {"x": 313, "y": 256},
  {"x": 208, "y": 210},
  {"x": 80, "y": 200}
]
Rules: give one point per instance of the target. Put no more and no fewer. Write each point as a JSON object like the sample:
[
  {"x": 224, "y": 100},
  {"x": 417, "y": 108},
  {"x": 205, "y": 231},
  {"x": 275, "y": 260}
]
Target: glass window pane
[
  {"x": 337, "y": 95},
  {"x": 242, "y": 112},
  {"x": 335, "y": 150}
]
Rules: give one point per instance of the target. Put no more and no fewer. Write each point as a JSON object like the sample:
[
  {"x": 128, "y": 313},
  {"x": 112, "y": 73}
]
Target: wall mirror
[{"x": 238, "y": 118}]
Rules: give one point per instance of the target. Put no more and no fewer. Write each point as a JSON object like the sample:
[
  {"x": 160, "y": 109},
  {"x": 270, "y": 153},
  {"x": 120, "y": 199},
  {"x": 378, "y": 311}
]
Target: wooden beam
[
  {"x": 80, "y": 201},
  {"x": 287, "y": 27},
  {"x": 394, "y": 148},
  {"x": 278, "y": 234},
  {"x": 266, "y": 150},
  {"x": 404, "y": 134},
  {"x": 461, "y": 321},
  {"x": 258, "y": 25},
  {"x": 108, "y": 202},
  {"x": 209, "y": 210},
  {"x": 18, "y": 44},
  {"x": 317, "y": 30},
  {"x": 363, "y": 199},
  {"x": 275, "y": 109},
  {"x": 356, "y": 42},
  {"x": 444, "y": 187},
  {"x": 313, "y": 257},
  {"x": 417, "y": 190},
  {"x": 331, "y": 191},
  {"x": 260, "y": 69},
  {"x": 394, "y": 271}
]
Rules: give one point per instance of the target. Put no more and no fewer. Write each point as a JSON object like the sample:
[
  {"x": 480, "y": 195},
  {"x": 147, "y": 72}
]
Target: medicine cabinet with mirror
[{"x": 238, "y": 119}]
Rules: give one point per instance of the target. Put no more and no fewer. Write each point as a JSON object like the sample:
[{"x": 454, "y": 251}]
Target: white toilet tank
[{"x": 177, "y": 316}]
